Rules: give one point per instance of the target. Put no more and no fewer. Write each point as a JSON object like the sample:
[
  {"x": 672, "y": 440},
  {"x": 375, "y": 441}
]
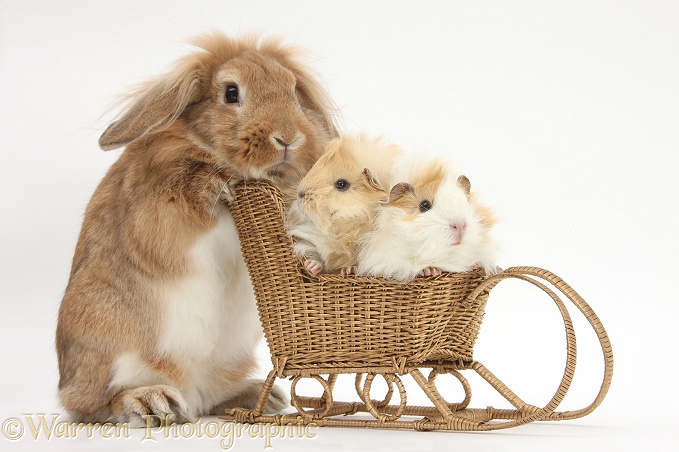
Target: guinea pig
[
  {"x": 337, "y": 200},
  {"x": 432, "y": 222},
  {"x": 159, "y": 319}
]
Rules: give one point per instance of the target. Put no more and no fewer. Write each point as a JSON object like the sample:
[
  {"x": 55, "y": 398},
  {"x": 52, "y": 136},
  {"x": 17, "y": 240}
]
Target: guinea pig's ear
[
  {"x": 154, "y": 109},
  {"x": 464, "y": 184},
  {"x": 399, "y": 190},
  {"x": 371, "y": 179}
]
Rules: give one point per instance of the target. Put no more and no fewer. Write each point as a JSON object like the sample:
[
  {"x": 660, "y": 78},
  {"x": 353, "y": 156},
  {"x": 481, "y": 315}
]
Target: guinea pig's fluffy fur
[
  {"x": 431, "y": 223},
  {"x": 337, "y": 201}
]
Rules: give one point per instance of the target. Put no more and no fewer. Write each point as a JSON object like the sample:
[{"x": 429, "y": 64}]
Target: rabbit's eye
[
  {"x": 231, "y": 94},
  {"x": 342, "y": 185},
  {"x": 424, "y": 206}
]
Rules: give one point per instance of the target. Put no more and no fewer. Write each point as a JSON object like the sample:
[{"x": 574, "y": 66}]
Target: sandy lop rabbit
[
  {"x": 159, "y": 317},
  {"x": 337, "y": 201}
]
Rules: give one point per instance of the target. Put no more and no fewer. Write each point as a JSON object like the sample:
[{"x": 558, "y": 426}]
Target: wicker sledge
[{"x": 321, "y": 326}]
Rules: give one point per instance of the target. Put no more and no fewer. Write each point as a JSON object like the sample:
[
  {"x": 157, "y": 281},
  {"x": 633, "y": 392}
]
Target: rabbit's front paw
[{"x": 226, "y": 192}]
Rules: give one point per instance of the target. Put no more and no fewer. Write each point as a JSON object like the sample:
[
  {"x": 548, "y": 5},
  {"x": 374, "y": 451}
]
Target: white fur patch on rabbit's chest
[
  {"x": 211, "y": 314},
  {"x": 209, "y": 322},
  {"x": 210, "y": 317}
]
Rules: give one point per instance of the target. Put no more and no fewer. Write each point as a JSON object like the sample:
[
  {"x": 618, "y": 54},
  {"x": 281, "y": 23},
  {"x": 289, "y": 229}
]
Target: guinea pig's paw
[
  {"x": 313, "y": 266},
  {"x": 489, "y": 271},
  {"x": 429, "y": 271},
  {"x": 492, "y": 270},
  {"x": 346, "y": 271},
  {"x": 151, "y": 406}
]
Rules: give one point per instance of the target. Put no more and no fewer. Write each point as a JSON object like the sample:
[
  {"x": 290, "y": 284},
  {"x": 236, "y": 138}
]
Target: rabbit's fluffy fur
[{"x": 159, "y": 317}]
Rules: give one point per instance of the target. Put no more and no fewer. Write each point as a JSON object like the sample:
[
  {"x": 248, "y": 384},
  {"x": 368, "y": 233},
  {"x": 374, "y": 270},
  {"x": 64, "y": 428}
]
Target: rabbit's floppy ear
[
  {"x": 316, "y": 99},
  {"x": 154, "y": 108},
  {"x": 310, "y": 93}
]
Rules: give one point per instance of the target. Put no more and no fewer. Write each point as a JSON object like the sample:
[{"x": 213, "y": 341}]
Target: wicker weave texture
[
  {"x": 331, "y": 325},
  {"x": 344, "y": 322}
]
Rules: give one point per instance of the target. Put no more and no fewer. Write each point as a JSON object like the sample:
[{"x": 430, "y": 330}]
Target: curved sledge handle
[{"x": 528, "y": 274}]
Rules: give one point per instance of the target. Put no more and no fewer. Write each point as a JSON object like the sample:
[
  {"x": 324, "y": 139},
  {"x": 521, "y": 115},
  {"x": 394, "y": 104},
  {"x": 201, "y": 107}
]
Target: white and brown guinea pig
[
  {"x": 431, "y": 223},
  {"x": 337, "y": 200}
]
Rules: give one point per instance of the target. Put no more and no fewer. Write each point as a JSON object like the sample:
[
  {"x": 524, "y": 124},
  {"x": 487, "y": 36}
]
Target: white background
[{"x": 564, "y": 115}]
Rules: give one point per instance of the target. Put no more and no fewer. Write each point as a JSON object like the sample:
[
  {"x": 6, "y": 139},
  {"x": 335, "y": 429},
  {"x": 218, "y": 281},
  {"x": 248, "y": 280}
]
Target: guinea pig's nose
[
  {"x": 458, "y": 228},
  {"x": 301, "y": 194}
]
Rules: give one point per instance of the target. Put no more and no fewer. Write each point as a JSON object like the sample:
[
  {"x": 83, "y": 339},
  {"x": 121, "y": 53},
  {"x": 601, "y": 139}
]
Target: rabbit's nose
[
  {"x": 281, "y": 142},
  {"x": 286, "y": 142}
]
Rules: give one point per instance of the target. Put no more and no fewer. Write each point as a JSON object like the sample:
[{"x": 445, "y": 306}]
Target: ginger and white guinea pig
[
  {"x": 337, "y": 201},
  {"x": 432, "y": 222}
]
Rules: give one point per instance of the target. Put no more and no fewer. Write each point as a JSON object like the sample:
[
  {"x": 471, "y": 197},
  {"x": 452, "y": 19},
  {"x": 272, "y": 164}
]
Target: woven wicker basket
[
  {"x": 334, "y": 321},
  {"x": 329, "y": 324}
]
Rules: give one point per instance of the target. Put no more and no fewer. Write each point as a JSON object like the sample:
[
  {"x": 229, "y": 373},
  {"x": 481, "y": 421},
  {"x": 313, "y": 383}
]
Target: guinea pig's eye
[
  {"x": 231, "y": 94},
  {"x": 341, "y": 185},
  {"x": 424, "y": 206}
]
